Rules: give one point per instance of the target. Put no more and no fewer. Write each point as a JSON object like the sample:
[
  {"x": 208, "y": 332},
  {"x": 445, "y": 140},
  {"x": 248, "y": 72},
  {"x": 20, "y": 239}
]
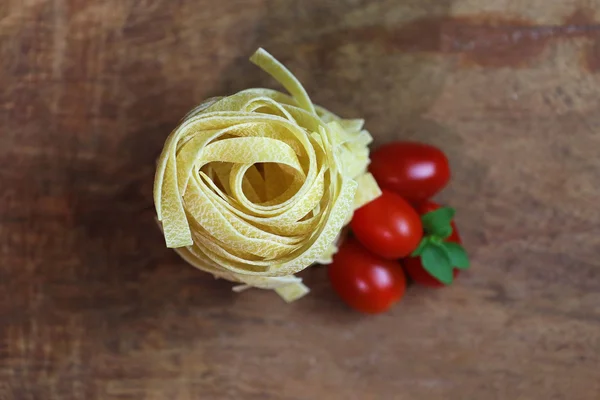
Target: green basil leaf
[
  {"x": 422, "y": 244},
  {"x": 436, "y": 262},
  {"x": 457, "y": 255},
  {"x": 437, "y": 222}
]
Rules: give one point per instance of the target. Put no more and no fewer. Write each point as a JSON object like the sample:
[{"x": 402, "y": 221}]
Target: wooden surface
[{"x": 93, "y": 306}]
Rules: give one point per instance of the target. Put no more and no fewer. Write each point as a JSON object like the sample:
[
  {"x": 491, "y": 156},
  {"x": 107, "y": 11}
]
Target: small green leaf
[
  {"x": 422, "y": 244},
  {"x": 435, "y": 260},
  {"x": 437, "y": 222},
  {"x": 457, "y": 255}
]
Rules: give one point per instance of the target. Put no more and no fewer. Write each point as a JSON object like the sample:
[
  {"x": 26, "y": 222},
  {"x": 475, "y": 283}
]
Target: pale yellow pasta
[{"x": 257, "y": 186}]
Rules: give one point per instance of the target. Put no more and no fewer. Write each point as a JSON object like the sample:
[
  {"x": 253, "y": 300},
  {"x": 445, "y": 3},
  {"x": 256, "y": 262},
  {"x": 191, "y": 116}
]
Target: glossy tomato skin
[
  {"x": 364, "y": 281},
  {"x": 388, "y": 226},
  {"x": 415, "y": 171},
  {"x": 413, "y": 266}
]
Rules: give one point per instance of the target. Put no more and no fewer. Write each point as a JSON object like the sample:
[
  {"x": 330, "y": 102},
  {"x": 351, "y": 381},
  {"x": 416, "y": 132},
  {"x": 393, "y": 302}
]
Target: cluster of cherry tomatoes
[{"x": 401, "y": 232}]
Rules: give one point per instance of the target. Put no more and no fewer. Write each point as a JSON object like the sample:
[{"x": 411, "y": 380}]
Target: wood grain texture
[{"x": 93, "y": 306}]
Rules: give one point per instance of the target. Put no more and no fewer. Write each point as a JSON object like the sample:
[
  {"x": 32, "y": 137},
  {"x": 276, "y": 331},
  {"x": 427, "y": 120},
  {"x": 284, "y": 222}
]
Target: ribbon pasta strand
[{"x": 257, "y": 186}]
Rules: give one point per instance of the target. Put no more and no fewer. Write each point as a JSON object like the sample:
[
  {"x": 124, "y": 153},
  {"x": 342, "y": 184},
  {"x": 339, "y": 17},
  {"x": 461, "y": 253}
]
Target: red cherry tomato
[
  {"x": 414, "y": 267},
  {"x": 364, "y": 281},
  {"x": 388, "y": 226},
  {"x": 415, "y": 171}
]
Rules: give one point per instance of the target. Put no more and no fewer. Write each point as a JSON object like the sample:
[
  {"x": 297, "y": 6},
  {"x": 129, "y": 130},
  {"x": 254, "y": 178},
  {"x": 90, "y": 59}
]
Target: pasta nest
[{"x": 257, "y": 186}]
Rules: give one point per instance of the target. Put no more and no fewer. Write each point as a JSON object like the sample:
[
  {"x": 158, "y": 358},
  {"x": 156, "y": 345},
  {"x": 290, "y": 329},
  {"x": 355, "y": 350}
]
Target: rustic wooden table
[{"x": 93, "y": 306}]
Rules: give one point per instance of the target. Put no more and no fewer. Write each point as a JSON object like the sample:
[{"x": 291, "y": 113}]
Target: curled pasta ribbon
[{"x": 257, "y": 186}]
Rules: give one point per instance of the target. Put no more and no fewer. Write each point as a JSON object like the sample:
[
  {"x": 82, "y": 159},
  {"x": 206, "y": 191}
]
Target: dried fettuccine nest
[{"x": 257, "y": 186}]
